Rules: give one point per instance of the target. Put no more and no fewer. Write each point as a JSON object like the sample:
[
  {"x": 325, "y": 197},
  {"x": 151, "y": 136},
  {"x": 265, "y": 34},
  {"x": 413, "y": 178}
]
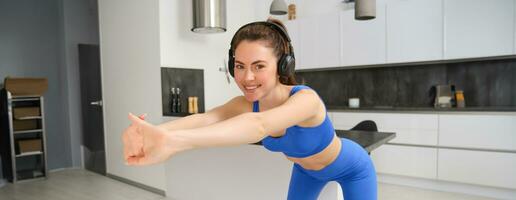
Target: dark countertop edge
[
  {"x": 421, "y": 109},
  {"x": 380, "y": 143}
]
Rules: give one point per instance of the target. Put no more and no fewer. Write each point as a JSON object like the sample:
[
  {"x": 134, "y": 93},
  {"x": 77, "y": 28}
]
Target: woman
[{"x": 286, "y": 117}]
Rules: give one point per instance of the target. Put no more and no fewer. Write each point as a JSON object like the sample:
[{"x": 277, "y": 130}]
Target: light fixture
[
  {"x": 364, "y": 9},
  {"x": 278, "y": 7},
  {"x": 209, "y": 16}
]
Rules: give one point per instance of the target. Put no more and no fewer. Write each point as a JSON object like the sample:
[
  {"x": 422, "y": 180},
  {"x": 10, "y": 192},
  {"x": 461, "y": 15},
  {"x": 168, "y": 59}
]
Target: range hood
[{"x": 209, "y": 16}]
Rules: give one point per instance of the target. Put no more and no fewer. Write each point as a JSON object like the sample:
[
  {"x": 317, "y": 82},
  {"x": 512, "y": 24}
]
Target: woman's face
[{"x": 255, "y": 69}]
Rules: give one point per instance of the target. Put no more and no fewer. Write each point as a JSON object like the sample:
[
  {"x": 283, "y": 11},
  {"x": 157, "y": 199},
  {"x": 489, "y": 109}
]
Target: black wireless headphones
[{"x": 287, "y": 61}]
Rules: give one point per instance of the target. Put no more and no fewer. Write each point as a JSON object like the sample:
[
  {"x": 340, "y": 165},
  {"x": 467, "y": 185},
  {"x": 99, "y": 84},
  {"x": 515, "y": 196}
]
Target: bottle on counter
[
  {"x": 173, "y": 100},
  {"x": 178, "y": 100},
  {"x": 195, "y": 105},
  {"x": 190, "y": 105},
  {"x": 459, "y": 96}
]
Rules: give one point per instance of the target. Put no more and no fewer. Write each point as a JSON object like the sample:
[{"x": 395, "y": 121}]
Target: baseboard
[
  {"x": 445, "y": 186},
  {"x": 136, "y": 184},
  {"x": 62, "y": 169}
]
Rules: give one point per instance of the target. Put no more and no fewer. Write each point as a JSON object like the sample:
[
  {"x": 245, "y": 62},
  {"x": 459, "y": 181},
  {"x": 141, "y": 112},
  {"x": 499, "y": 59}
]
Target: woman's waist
[{"x": 321, "y": 159}]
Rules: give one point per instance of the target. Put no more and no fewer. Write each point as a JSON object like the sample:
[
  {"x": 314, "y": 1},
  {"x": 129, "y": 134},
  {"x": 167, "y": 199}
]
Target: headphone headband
[
  {"x": 271, "y": 25},
  {"x": 286, "y": 62}
]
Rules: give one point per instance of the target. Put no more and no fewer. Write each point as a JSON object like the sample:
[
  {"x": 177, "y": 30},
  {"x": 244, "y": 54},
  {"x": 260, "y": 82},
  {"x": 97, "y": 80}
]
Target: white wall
[
  {"x": 80, "y": 26},
  {"x": 130, "y": 62},
  {"x": 31, "y": 46},
  {"x": 184, "y": 49}
]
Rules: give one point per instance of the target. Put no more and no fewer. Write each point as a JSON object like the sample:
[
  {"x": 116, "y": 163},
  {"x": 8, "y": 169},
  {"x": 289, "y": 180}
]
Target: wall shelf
[
  {"x": 28, "y": 131},
  {"x": 29, "y": 154},
  {"x": 23, "y": 133}
]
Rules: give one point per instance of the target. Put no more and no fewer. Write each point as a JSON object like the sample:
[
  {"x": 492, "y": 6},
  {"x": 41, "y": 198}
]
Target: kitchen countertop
[
  {"x": 369, "y": 140},
  {"x": 421, "y": 109}
]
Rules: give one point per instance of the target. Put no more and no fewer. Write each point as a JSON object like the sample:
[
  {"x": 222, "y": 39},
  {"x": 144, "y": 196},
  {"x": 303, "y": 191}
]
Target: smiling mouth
[{"x": 251, "y": 88}]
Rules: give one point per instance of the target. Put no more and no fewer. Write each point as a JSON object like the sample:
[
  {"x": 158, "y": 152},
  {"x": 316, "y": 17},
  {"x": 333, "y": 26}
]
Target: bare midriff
[{"x": 322, "y": 159}]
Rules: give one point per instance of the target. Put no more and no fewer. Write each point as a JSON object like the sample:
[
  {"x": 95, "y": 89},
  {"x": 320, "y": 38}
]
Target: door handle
[{"x": 96, "y": 103}]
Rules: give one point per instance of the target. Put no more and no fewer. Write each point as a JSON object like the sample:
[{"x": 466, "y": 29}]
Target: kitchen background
[
  {"x": 393, "y": 60},
  {"x": 488, "y": 85}
]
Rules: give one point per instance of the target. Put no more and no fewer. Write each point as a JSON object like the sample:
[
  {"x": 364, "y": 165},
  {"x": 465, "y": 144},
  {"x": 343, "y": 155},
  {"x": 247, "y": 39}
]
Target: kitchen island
[{"x": 246, "y": 171}]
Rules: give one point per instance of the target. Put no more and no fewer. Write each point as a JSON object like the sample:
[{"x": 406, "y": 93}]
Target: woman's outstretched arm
[
  {"x": 220, "y": 113},
  {"x": 157, "y": 143}
]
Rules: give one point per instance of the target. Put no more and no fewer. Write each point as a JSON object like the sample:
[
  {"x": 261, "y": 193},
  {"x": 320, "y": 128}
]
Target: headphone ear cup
[
  {"x": 290, "y": 67},
  {"x": 286, "y": 65},
  {"x": 231, "y": 63},
  {"x": 281, "y": 65}
]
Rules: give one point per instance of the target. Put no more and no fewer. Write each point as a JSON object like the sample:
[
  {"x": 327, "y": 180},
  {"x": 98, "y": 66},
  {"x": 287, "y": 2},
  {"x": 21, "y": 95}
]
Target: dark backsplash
[
  {"x": 490, "y": 83},
  {"x": 191, "y": 83}
]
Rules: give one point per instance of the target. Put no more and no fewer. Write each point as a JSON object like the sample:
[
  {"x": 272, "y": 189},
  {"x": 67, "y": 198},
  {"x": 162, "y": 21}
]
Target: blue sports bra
[{"x": 300, "y": 142}]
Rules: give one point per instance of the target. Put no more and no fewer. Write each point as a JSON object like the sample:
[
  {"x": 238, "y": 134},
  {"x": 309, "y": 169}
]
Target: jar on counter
[{"x": 459, "y": 98}]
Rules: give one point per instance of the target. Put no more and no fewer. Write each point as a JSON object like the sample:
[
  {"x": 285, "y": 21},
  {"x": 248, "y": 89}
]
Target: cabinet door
[
  {"x": 328, "y": 35},
  {"x": 363, "y": 42},
  {"x": 406, "y": 161},
  {"x": 478, "y": 167},
  {"x": 478, "y": 28},
  {"x": 414, "y": 30},
  {"x": 419, "y": 129},
  {"x": 319, "y": 41},
  {"x": 293, "y": 32},
  {"x": 478, "y": 131},
  {"x": 305, "y": 57}
]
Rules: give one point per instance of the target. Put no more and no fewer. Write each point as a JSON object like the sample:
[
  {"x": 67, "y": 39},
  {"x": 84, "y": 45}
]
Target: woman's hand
[{"x": 144, "y": 143}]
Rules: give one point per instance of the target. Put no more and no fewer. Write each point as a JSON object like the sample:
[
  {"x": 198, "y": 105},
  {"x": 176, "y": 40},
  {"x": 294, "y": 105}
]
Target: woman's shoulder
[{"x": 297, "y": 88}]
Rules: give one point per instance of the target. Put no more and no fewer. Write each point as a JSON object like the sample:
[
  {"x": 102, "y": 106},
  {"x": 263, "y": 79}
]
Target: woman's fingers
[
  {"x": 137, "y": 160},
  {"x": 133, "y": 142},
  {"x": 133, "y": 138},
  {"x": 136, "y": 120},
  {"x": 144, "y": 142}
]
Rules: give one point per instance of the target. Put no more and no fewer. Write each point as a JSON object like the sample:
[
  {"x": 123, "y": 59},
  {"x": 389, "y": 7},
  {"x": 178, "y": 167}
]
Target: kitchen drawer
[
  {"x": 478, "y": 131},
  {"x": 406, "y": 161},
  {"x": 478, "y": 167},
  {"x": 419, "y": 129}
]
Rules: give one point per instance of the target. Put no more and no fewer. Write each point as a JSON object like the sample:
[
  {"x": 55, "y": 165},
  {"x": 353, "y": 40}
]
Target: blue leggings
[{"x": 352, "y": 169}]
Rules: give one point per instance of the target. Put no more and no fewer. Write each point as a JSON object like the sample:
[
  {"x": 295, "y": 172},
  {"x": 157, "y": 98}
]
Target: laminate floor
[{"x": 79, "y": 184}]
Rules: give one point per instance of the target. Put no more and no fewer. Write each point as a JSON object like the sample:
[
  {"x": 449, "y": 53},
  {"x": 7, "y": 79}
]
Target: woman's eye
[
  {"x": 239, "y": 66},
  {"x": 260, "y": 66}
]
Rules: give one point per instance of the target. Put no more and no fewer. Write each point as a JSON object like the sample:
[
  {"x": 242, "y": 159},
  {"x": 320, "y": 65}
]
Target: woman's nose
[{"x": 249, "y": 75}]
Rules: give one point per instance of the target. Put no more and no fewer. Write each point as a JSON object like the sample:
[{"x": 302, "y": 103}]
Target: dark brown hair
[{"x": 273, "y": 39}]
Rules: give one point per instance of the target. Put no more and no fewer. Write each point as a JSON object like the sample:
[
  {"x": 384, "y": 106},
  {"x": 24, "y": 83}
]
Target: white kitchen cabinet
[
  {"x": 478, "y": 167},
  {"x": 319, "y": 41},
  {"x": 363, "y": 42},
  {"x": 406, "y": 161},
  {"x": 414, "y": 30},
  {"x": 419, "y": 129},
  {"x": 328, "y": 44},
  {"x": 478, "y": 131},
  {"x": 293, "y": 32},
  {"x": 307, "y": 43},
  {"x": 478, "y": 28}
]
